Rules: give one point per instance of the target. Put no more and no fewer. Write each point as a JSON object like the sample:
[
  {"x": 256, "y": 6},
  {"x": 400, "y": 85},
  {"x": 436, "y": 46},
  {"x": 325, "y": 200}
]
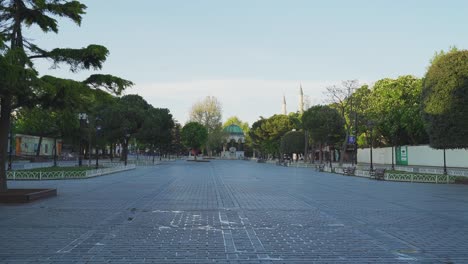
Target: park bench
[
  {"x": 282, "y": 163},
  {"x": 378, "y": 174},
  {"x": 320, "y": 167},
  {"x": 349, "y": 170}
]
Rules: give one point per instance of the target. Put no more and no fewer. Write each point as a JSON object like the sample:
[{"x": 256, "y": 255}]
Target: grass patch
[{"x": 51, "y": 169}]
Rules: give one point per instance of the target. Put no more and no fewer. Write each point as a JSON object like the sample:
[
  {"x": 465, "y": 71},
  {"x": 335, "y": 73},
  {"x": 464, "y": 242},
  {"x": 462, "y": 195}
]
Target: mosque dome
[{"x": 234, "y": 130}]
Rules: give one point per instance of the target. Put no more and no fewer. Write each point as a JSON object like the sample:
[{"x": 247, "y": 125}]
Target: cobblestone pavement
[{"x": 236, "y": 212}]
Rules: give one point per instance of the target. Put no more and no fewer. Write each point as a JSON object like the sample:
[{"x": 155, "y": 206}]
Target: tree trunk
[
  {"x": 5, "y": 115},
  {"x": 125, "y": 151},
  {"x": 313, "y": 154},
  {"x": 306, "y": 146},
  {"x": 80, "y": 153},
  {"x": 38, "y": 151},
  {"x": 122, "y": 156},
  {"x": 55, "y": 152},
  {"x": 321, "y": 153},
  {"x": 111, "y": 151},
  {"x": 343, "y": 148}
]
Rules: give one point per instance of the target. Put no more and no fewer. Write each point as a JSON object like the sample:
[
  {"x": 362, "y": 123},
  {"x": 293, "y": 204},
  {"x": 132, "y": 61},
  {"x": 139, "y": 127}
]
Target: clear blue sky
[{"x": 249, "y": 53}]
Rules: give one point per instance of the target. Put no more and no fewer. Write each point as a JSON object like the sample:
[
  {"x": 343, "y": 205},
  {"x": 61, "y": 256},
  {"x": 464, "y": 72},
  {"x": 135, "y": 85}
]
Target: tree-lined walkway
[{"x": 237, "y": 211}]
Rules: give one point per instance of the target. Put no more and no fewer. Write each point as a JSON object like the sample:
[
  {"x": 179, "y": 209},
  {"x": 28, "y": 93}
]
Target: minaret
[
  {"x": 284, "y": 106},
  {"x": 301, "y": 100}
]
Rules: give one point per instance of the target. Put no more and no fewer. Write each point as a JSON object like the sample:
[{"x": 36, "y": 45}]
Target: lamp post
[
  {"x": 98, "y": 128},
  {"x": 355, "y": 137},
  {"x": 127, "y": 138},
  {"x": 370, "y": 125},
  {"x": 83, "y": 117}
]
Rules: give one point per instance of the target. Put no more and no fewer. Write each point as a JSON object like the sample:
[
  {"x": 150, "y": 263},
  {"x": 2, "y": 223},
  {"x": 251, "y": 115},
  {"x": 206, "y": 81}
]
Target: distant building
[
  {"x": 26, "y": 145},
  {"x": 233, "y": 148}
]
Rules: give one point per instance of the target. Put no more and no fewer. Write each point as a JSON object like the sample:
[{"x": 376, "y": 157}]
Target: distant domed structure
[
  {"x": 233, "y": 147},
  {"x": 234, "y": 130}
]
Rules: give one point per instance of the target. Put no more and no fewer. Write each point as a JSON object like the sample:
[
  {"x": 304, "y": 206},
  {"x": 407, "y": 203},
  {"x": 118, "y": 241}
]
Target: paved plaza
[{"x": 236, "y": 212}]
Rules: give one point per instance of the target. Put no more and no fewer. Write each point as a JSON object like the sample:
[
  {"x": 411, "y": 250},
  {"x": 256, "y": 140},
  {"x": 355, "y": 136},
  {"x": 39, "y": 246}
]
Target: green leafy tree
[
  {"x": 340, "y": 98},
  {"x": 362, "y": 113},
  {"x": 296, "y": 118},
  {"x": 176, "y": 146},
  {"x": 156, "y": 131},
  {"x": 208, "y": 112},
  {"x": 124, "y": 119},
  {"x": 194, "y": 135},
  {"x": 324, "y": 124},
  {"x": 216, "y": 139},
  {"x": 256, "y": 135},
  {"x": 267, "y": 133},
  {"x": 445, "y": 101},
  {"x": 441, "y": 53},
  {"x": 38, "y": 122},
  {"x": 396, "y": 110},
  {"x": 293, "y": 142},
  {"x": 19, "y": 85}
]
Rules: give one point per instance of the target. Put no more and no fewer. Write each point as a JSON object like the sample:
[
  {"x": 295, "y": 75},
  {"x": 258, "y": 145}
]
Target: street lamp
[
  {"x": 127, "y": 138},
  {"x": 370, "y": 125},
  {"x": 355, "y": 137},
  {"x": 98, "y": 128},
  {"x": 83, "y": 117}
]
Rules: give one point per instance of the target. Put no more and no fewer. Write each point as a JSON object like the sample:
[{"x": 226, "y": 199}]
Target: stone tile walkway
[{"x": 236, "y": 212}]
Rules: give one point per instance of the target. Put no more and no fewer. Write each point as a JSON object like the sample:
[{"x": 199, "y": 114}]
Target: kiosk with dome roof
[{"x": 233, "y": 147}]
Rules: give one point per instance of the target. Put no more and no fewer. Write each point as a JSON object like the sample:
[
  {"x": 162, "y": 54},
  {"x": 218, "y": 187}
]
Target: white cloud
[{"x": 247, "y": 99}]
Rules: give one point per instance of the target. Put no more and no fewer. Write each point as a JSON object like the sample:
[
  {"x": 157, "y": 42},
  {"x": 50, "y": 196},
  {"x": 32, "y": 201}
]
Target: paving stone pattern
[{"x": 236, "y": 212}]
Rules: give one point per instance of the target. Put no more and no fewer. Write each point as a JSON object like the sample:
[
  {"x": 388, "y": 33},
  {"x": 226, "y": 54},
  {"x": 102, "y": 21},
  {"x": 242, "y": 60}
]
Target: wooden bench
[
  {"x": 349, "y": 170},
  {"x": 320, "y": 167},
  {"x": 378, "y": 174}
]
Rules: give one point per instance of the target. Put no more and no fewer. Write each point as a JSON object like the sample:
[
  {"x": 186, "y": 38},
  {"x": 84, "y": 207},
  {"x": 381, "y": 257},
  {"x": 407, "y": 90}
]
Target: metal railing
[{"x": 55, "y": 175}]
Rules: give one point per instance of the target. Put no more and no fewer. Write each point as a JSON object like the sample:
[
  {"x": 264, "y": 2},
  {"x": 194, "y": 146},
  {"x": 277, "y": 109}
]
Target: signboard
[
  {"x": 351, "y": 139},
  {"x": 401, "y": 155}
]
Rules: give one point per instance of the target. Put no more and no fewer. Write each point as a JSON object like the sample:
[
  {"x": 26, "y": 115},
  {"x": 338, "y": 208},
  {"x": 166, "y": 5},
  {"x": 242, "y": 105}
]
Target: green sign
[{"x": 402, "y": 155}]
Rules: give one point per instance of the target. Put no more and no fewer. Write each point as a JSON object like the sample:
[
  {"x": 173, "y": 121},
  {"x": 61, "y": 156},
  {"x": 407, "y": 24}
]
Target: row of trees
[
  {"x": 108, "y": 121},
  {"x": 403, "y": 111},
  {"x": 20, "y": 85}
]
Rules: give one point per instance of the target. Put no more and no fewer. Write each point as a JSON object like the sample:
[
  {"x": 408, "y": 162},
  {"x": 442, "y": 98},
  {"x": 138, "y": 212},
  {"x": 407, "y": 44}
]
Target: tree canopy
[
  {"x": 293, "y": 142},
  {"x": 445, "y": 101},
  {"x": 266, "y": 133},
  {"x": 396, "y": 110},
  {"x": 325, "y": 124},
  {"x": 207, "y": 112},
  {"x": 194, "y": 135},
  {"x": 19, "y": 83}
]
